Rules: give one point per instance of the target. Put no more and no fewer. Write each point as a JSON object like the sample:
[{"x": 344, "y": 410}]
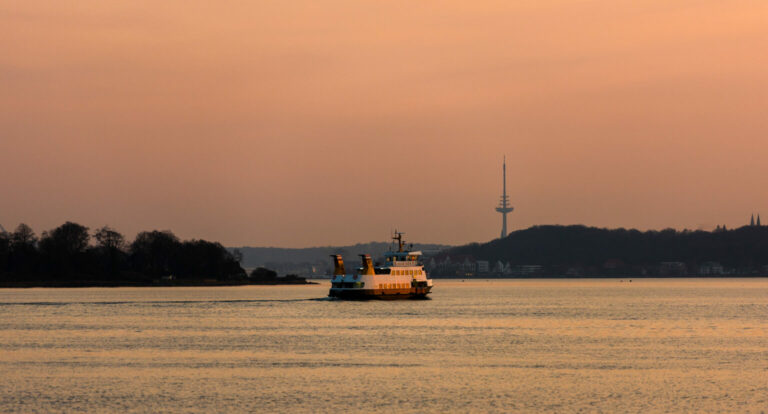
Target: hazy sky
[{"x": 298, "y": 123}]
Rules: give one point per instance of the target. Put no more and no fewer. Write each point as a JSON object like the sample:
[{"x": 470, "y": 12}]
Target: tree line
[
  {"x": 71, "y": 252},
  {"x": 604, "y": 251}
]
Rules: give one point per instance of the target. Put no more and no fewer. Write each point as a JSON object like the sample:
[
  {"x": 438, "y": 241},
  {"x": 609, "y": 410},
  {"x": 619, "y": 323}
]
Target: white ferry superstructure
[{"x": 402, "y": 276}]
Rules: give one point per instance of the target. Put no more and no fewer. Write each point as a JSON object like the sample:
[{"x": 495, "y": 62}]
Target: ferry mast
[{"x": 504, "y": 206}]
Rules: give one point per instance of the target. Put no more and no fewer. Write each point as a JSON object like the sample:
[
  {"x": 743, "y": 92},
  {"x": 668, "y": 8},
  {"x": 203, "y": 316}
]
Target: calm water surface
[{"x": 551, "y": 345}]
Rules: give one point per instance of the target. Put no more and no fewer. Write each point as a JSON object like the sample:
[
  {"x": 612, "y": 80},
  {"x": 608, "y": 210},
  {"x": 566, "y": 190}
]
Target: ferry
[{"x": 402, "y": 276}]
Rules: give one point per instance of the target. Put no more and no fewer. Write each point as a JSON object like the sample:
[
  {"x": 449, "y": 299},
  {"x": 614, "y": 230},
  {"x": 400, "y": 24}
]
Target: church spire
[
  {"x": 752, "y": 221},
  {"x": 758, "y": 220}
]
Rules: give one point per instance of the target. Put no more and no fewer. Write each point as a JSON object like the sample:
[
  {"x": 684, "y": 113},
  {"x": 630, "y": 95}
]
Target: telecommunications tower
[{"x": 504, "y": 206}]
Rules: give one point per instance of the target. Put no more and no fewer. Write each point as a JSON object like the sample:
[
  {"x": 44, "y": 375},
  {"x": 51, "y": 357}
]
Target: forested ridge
[{"x": 590, "y": 250}]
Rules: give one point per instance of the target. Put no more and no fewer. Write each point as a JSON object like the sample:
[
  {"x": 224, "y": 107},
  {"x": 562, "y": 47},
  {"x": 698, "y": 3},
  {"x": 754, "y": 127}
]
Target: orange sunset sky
[{"x": 299, "y": 123}]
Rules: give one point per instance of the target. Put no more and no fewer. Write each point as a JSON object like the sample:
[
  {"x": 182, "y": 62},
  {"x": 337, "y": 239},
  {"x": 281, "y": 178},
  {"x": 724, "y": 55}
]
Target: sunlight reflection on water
[{"x": 498, "y": 345}]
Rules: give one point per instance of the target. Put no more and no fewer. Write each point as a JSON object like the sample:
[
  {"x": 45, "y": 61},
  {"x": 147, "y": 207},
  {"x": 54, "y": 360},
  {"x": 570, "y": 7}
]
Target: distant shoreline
[
  {"x": 602, "y": 277},
  {"x": 183, "y": 283}
]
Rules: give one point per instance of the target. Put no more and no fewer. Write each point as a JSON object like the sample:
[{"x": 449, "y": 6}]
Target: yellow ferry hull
[{"x": 385, "y": 294}]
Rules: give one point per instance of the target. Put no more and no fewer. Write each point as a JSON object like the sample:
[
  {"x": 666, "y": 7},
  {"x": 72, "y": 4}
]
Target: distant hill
[
  {"x": 581, "y": 250},
  {"x": 315, "y": 260}
]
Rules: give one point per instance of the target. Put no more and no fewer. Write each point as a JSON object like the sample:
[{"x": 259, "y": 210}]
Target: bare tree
[
  {"x": 109, "y": 239},
  {"x": 69, "y": 238},
  {"x": 237, "y": 254},
  {"x": 23, "y": 236}
]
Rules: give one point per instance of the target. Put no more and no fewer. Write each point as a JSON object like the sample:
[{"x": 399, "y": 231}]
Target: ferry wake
[{"x": 401, "y": 277}]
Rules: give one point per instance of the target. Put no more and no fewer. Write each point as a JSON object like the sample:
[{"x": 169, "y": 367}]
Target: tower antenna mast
[{"x": 504, "y": 206}]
